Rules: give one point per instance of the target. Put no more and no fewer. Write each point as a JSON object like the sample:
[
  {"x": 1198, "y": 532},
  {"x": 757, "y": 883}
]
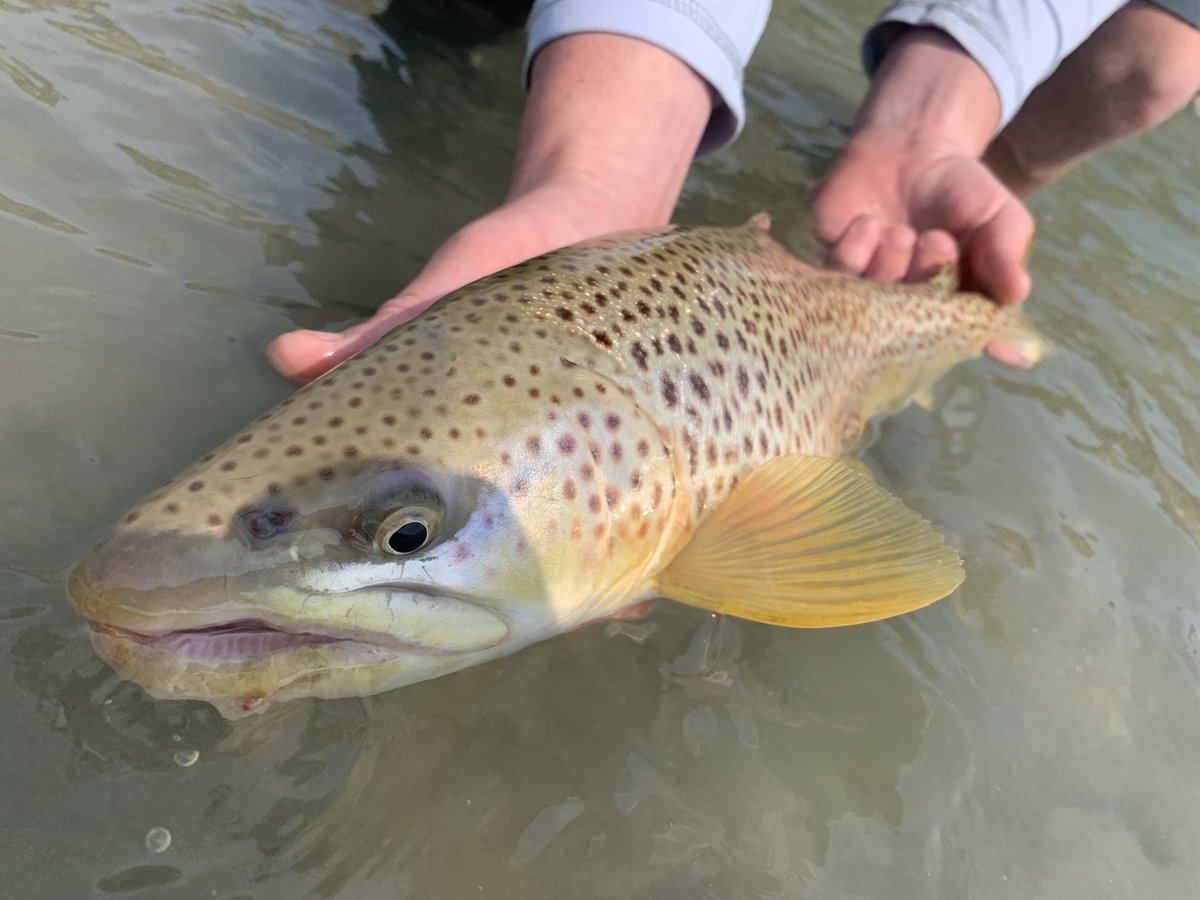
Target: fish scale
[{"x": 565, "y": 432}]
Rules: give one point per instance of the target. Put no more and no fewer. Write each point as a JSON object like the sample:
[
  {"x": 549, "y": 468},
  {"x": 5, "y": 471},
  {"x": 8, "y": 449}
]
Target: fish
[{"x": 667, "y": 413}]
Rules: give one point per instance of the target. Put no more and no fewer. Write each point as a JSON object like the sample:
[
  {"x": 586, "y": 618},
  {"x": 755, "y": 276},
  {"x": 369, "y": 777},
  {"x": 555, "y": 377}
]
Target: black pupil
[{"x": 408, "y": 537}]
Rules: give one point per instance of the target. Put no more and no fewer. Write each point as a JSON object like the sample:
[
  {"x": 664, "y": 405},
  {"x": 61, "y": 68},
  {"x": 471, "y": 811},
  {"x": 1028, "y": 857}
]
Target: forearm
[
  {"x": 615, "y": 116},
  {"x": 929, "y": 90},
  {"x": 1018, "y": 43}
]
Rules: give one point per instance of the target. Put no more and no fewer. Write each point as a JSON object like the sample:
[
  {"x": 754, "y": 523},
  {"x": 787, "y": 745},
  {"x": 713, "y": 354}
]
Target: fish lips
[{"x": 419, "y": 620}]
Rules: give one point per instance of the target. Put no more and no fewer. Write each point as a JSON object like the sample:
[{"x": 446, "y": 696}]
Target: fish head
[{"x": 341, "y": 547}]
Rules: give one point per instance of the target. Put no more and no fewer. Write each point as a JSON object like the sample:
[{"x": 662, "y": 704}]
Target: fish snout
[{"x": 152, "y": 583}]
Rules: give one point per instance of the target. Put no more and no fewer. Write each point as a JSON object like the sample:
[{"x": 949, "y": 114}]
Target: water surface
[{"x": 182, "y": 181}]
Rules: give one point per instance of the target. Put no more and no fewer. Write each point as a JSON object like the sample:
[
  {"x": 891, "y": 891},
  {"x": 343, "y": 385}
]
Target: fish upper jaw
[
  {"x": 241, "y": 665},
  {"x": 404, "y": 618}
]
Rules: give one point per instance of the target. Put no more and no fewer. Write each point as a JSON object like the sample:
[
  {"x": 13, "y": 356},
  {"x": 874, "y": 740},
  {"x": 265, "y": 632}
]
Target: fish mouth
[
  {"x": 235, "y": 640},
  {"x": 421, "y": 622}
]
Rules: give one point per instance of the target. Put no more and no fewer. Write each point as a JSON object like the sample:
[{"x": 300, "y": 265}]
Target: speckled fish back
[{"x": 739, "y": 352}]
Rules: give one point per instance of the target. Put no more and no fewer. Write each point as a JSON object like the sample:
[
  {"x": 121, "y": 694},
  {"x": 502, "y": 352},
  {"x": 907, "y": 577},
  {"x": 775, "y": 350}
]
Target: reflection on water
[{"x": 183, "y": 181}]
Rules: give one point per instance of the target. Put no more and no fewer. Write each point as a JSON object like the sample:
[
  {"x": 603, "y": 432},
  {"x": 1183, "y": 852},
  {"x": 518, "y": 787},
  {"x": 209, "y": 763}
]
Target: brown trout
[{"x": 661, "y": 413}]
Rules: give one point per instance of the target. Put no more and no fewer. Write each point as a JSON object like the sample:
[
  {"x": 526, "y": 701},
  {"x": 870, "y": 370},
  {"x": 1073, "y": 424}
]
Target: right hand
[
  {"x": 610, "y": 129},
  {"x": 544, "y": 219}
]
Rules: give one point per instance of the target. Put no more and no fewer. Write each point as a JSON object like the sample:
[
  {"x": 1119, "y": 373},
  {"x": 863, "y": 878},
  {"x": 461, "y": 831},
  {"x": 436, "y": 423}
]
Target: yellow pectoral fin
[{"x": 809, "y": 542}]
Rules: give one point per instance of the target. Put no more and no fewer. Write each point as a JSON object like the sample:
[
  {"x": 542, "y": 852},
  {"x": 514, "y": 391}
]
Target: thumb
[
  {"x": 996, "y": 254},
  {"x": 301, "y": 356}
]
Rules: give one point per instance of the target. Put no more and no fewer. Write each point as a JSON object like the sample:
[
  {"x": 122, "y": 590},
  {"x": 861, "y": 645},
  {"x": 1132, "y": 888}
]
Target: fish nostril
[{"x": 262, "y": 523}]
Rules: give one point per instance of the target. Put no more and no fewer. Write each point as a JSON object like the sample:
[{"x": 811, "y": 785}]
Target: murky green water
[{"x": 181, "y": 181}]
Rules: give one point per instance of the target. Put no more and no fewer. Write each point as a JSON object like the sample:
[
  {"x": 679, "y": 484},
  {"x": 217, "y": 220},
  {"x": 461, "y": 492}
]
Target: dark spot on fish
[
  {"x": 639, "y": 355},
  {"x": 669, "y": 393}
]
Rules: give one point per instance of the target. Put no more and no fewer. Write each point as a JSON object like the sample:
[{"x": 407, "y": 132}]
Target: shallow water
[{"x": 181, "y": 181}]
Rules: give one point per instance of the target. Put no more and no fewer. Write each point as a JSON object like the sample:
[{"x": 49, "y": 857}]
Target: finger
[
  {"x": 893, "y": 255},
  {"x": 1010, "y": 354},
  {"x": 856, "y": 247},
  {"x": 996, "y": 251},
  {"x": 934, "y": 250},
  {"x": 301, "y": 356}
]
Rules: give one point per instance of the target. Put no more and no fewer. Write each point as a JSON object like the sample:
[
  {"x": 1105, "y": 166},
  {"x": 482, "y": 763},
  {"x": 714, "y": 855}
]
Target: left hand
[
  {"x": 894, "y": 209},
  {"x": 909, "y": 193}
]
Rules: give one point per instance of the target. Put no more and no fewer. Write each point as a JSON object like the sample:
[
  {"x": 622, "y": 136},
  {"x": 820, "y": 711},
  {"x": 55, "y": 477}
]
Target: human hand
[
  {"x": 550, "y": 217},
  {"x": 909, "y": 193},
  {"x": 894, "y": 209},
  {"x": 608, "y": 134}
]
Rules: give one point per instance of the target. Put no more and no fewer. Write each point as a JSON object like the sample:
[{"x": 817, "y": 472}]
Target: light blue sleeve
[
  {"x": 714, "y": 37},
  {"x": 1019, "y": 43}
]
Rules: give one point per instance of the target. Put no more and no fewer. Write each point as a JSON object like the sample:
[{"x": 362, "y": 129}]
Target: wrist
[
  {"x": 928, "y": 90},
  {"x": 611, "y": 119}
]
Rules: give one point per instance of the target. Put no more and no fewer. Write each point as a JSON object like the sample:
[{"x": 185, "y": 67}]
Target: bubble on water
[
  {"x": 186, "y": 758},
  {"x": 158, "y": 840}
]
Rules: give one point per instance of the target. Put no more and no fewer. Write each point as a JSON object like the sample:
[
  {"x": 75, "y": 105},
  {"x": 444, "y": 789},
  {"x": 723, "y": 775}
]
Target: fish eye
[{"x": 406, "y": 531}]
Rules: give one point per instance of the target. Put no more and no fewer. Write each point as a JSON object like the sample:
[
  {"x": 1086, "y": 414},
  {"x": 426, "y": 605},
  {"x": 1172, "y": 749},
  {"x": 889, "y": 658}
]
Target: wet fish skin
[{"x": 563, "y": 431}]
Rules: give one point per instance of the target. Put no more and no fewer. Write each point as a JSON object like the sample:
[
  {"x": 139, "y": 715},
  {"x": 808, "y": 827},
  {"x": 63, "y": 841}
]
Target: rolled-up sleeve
[
  {"x": 1019, "y": 43},
  {"x": 714, "y": 37}
]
